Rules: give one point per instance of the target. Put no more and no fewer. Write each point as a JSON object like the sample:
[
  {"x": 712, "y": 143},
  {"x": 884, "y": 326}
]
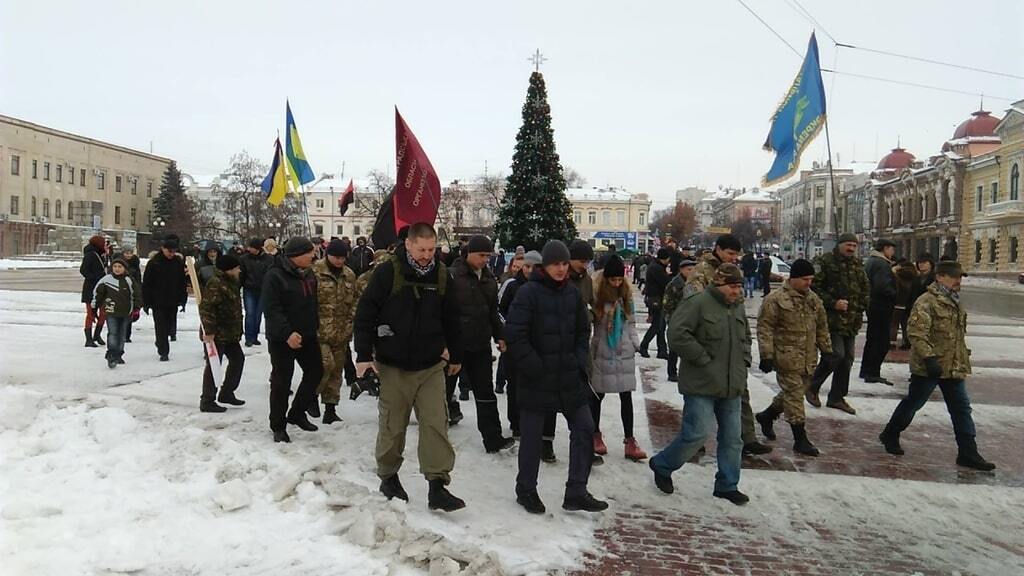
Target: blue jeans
[
  {"x": 954, "y": 392},
  {"x": 749, "y": 284},
  {"x": 253, "y": 314},
  {"x": 698, "y": 412},
  {"x": 117, "y": 331}
]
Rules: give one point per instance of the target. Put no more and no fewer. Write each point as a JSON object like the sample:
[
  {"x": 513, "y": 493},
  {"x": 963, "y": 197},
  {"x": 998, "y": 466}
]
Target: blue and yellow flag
[
  {"x": 798, "y": 119},
  {"x": 275, "y": 185},
  {"x": 298, "y": 168}
]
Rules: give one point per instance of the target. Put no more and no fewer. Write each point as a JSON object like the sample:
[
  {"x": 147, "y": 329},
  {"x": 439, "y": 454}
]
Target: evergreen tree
[
  {"x": 174, "y": 207},
  {"x": 534, "y": 208}
]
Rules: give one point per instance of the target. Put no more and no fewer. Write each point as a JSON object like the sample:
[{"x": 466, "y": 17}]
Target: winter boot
[
  {"x": 120, "y": 360},
  {"x": 633, "y": 451},
  {"x": 89, "y": 342},
  {"x": 112, "y": 363},
  {"x": 755, "y": 448},
  {"x": 735, "y": 496},
  {"x": 281, "y": 436},
  {"x": 801, "y": 445},
  {"x": 968, "y": 456},
  {"x": 314, "y": 408},
  {"x": 211, "y": 406},
  {"x": 891, "y": 442},
  {"x": 767, "y": 421},
  {"x": 531, "y": 502},
  {"x": 392, "y": 488},
  {"x": 547, "y": 452},
  {"x": 331, "y": 414},
  {"x": 96, "y": 336},
  {"x": 300, "y": 420},
  {"x": 662, "y": 481},
  {"x": 499, "y": 444},
  {"x": 439, "y": 498},
  {"x": 599, "y": 445},
  {"x": 585, "y": 502},
  {"x": 230, "y": 398}
]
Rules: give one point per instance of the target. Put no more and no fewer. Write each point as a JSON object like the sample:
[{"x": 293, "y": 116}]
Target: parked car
[
  {"x": 780, "y": 270},
  {"x": 1020, "y": 278}
]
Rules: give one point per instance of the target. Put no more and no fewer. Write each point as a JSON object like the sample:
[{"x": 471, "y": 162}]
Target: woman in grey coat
[{"x": 613, "y": 351}]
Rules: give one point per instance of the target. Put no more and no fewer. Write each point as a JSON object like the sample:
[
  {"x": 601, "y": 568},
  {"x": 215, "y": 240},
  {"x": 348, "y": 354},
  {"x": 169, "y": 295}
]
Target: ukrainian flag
[
  {"x": 299, "y": 170},
  {"x": 275, "y": 185}
]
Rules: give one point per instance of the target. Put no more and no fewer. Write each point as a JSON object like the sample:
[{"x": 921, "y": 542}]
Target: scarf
[
  {"x": 954, "y": 296},
  {"x": 616, "y": 323},
  {"x": 421, "y": 271}
]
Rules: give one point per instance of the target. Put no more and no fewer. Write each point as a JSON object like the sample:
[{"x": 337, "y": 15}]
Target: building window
[
  {"x": 819, "y": 215},
  {"x": 46, "y": 207},
  {"x": 355, "y": 229},
  {"x": 135, "y": 184},
  {"x": 341, "y": 229},
  {"x": 642, "y": 220},
  {"x": 117, "y": 183},
  {"x": 577, "y": 217},
  {"x": 33, "y": 206},
  {"x": 1015, "y": 183},
  {"x": 14, "y": 205},
  {"x": 606, "y": 217},
  {"x": 81, "y": 177},
  {"x": 1013, "y": 249},
  {"x": 35, "y": 169},
  {"x": 591, "y": 217},
  {"x": 819, "y": 191},
  {"x": 101, "y": 180},
  {"x": 149, "y": 217},
  {"x": 977, "y": 251},
  {"x": 149, "y": 189},
  {"x": 992, "y": 251},
  {"x": 60, "y": 173},
  {"x": 15, "y": 165},
  {"x": 71, "y": 211},
  {"x": 977, "y": 199},
  {"x": 320, "y": 203},
  {"x": 46, "y": 170},
  {"x": 71, "y": 175},
  {"x": 56, "y": 208},
  {"x": 134, "y": 212},
  {"x": 995, "y": 192},
  {"x": 117, "y": 214},
  {"x": 318, "y": 228},
  {"x": 620, "y": 218}
]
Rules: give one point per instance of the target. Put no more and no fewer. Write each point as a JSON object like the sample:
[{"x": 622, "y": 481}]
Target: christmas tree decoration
[{"x": 535, "y": 208}]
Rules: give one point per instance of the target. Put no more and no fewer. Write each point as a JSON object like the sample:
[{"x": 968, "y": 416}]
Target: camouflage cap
[
  {"x": 728, "y": 274},
  {"x": 949, "y": 268}
]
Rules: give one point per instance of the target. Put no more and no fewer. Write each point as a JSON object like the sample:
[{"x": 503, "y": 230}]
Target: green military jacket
[
  {"x": 840, "y": 278},
  {"x": 938, "y": 327},
  {"x": 220, "y": 308},
  {"x": 712, "y": 339},
  {"x": 336, "y": 299},
  {"x": 673, "y": 295},
  {"x": 791, "y": 328},
  {"x": 703, "y": 275}
]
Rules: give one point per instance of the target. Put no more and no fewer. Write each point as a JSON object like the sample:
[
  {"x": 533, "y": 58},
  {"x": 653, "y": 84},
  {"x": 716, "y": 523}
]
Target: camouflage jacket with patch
[
  {"x": 220, "y": 308},
  {"x": 336, "y": 301},
  {"x": 673, "y": 295},
  {"x": 840, "y": 278},
  {"x": 791, "y": 328},
  {"x": 938, "y": 328}
]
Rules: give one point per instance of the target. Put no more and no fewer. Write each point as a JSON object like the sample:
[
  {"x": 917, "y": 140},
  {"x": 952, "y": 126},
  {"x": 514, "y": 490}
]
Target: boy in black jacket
[{"x": 120, "y": 298}]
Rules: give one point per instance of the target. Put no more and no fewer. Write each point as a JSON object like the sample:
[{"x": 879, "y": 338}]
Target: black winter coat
[
  {"x": 764, "y": 268},
  {"x": 360, "y": 259},
  {"x": 547, "y": 330},
  {"x": 289, "y": 302},
  {"x": 408, "y": 330},
  {"x": 164, "y": 282},
  {"x": 135, "y": 269},
  {"x": 478, "y": 307},
  {"x": 882, "y": 281},
  {"x": 509, "y": 295},
  {"x": 93, "y": 267},
  {"x": 254, "y": 270},
  {"x": 749, "y": 265},
  {"x": 657, "y": 281}
]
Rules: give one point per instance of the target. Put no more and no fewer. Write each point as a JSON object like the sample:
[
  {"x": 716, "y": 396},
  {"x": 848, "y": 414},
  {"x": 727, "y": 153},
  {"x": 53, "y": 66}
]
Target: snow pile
[{"x": 11, "y": 264}]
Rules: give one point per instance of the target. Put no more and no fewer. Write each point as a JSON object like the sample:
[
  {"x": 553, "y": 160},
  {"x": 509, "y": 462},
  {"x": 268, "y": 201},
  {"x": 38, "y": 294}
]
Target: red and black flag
[{"x": 347, "y": 197}]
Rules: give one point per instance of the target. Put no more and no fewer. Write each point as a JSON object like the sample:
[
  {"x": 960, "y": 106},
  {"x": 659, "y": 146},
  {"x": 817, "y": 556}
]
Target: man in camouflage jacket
[
  {"x": 843, "y": 288},
  {"x": 791, "y": 328},
  {"x": 939, "y": 357},
  {"x": 220, "y": 311},
  {"x": 336, "y": 302}
]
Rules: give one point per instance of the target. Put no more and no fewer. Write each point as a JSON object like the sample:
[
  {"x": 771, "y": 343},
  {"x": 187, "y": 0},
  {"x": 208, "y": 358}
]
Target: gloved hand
[
  {"x": 932, "y": 367},
  {"x": 766, "y": 365}
]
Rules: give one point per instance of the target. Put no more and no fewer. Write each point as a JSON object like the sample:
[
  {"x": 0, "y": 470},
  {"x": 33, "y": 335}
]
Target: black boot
[
  {"x": 767, "y": 421},
  {"x": 801, "y": 445},
  {"x": 735, "y": 496},
  {"x": 301, "y": 421},
  {"x": 281, "y": 436},
  {"x": 547, "y": 452},
  {"x": 229, "y": 398},
  {"x": 439, "y": 498},
  {"x": 585, "y": 502},
  {"x": 211, "y": 406},
  {"x": 392, "y": 488},
  {"x": 498, "y": 444},
  {"x": 89, "y": 342},
  {"x": 969, "y": 457},
  {"x": 663, "y": 482},
  {"x": 331, "y": 414},
  {"x": 96, "y": 336},
  {"x": 891, "y": 442},
  {"x": 531, "y": 502},
  {"x": 314, "y": 408},
  {"x": 454, "y": 413},
  {"x": 755, "y": 448}
]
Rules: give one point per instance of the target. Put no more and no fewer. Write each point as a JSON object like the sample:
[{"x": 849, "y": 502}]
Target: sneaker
[
  {"x": 211, "y": 407},
  {"x": 735, "y": 496},
  {"x": 585, "y": 502},
  {"x": 498, "y": 445},
  {"x": 755, "y": 449},
  {"x": 531, "y": 502},
  {"x": 662, "y": 481},
  {"x": 391, "y": 487}
]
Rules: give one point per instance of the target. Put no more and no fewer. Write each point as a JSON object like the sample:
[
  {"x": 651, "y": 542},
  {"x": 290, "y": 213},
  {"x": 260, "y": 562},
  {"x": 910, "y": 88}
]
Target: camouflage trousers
[
  {"x": 333, "y": 357},
  {"x": 790, "y": 400}
]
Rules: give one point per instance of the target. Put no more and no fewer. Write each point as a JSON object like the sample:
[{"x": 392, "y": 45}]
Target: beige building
[
  {"x": 52, "y": 180},
  {"x": 993, "y": 210},
  {"x": 612, "y": 216},
  {"x": 809, "y": 211},
  {"x": 325, "y": 217}
]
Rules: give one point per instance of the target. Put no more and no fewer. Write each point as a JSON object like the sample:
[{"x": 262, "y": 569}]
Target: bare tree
[
  {"x": 455, "y": 208},
  {"x": 368, "y": 203},
  {"x": 249, "y": 214},
  {"x": 573, "y": 179}
]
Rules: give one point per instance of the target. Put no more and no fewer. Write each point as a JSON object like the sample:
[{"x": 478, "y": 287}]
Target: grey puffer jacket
[{"x": 614, "y": 370}]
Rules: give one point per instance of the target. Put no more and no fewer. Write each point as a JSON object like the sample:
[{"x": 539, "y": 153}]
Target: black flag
[{"x": 384, "y": 234}]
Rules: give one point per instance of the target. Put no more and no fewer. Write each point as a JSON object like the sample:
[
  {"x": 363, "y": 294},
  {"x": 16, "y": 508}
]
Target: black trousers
[
  {"x": 877, "y": 345},
  {"x": 512, "y": 406},
  {"x": 656, "y": 330},
  {"x": 766, "y": 285},
  {"x": 165, "y": 320},
  {"x": 581, "y": 450},
  {"x": 350, "y": 368},
  {"x": 625, "y": 411},
  {"x": 673, "y": 363},
  {"x": 477, "y": 368},
  {"x": 232, "y": 374},
  {"x": 282, "y": 361},
  {"x": 839, "y": 368}
]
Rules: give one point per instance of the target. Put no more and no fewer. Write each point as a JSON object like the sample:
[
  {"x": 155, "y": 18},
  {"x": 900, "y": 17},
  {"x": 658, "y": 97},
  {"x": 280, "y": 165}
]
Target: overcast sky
[{"x": 650, "y": 96}]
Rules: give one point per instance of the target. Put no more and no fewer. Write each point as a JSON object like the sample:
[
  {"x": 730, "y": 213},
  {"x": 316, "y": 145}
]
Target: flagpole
[
  {"x": 305, "y": 208},
  {"x": 832, "y": 183}
]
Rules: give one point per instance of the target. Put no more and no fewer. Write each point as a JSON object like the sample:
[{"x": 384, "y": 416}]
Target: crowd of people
[{"x": 421, "y": 327}]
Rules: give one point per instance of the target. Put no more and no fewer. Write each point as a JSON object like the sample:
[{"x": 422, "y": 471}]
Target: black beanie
[
  {"x": 728, "y": 242},
  {"x": 580, "y": 250},
  {"x": 297, "y": 246},
  {"x": 479, "y": 244},
  {"x": 664, "y": 253},
  {"x": 614, "y": 267},
  {"x": 256, "y": 243},
  {"x": 801, "y": 268},
  {"x": 337, "y": 248},
  {"x": 228, "y": 262},
  {"x": 555, "y": 251}
]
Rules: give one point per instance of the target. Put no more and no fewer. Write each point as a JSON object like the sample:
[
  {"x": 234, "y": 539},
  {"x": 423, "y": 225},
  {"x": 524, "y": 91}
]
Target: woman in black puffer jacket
[{"x": 94, "y": 266}]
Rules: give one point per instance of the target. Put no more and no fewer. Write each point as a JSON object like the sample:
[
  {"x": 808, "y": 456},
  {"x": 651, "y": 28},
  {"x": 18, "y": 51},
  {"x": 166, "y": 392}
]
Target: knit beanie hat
[
  {"x": 847, "y": 237},
  {"x": 614, "y": 267},
  {"x": 338, "y": 248},
  {"x": 119, "y": 260},
  {"x": 555, "y": 251},
  {"x": 728, "y": 274},
  {"x": 297, "y": 246},
  {"x": 479, "y": 244},
  {"x": 533, "y": 257},
  {"x": 580, "y": 249},
  {"x": 664, "y": 253},
  {"x": 228, "y": 262},
  {"x": 801, "y": 268},
  {"x": 256, "y": 243}
]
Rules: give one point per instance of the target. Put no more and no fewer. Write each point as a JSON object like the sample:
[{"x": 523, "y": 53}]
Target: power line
[
  {"x": 931, "y": 61},
  {"x": 915, "y": 84},
  {"x": 768, "y": 26},
  {"x": 814, "y": 21}
]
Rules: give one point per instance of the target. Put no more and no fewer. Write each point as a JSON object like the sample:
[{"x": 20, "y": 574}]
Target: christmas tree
[
  {"x": 534, "y": 208},
  {"x": 173, "y": 210}
]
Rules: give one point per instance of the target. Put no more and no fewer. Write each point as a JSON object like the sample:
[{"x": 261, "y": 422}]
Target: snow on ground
[
  {"x": 983, "y": 282},
  {"x": 114, "y": 471},
  {"x": 9, "y": 264}
]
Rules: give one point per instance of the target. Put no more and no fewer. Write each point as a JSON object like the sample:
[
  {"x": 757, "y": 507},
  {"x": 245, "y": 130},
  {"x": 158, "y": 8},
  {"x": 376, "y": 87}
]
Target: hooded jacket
[
  {"x": 289, "y": 300},
  {"x": 93, "y": 267}
]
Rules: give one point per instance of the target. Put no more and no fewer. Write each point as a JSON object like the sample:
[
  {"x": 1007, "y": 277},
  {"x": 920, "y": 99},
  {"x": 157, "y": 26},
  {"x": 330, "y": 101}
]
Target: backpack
[{"x": 399, "y": 280}]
